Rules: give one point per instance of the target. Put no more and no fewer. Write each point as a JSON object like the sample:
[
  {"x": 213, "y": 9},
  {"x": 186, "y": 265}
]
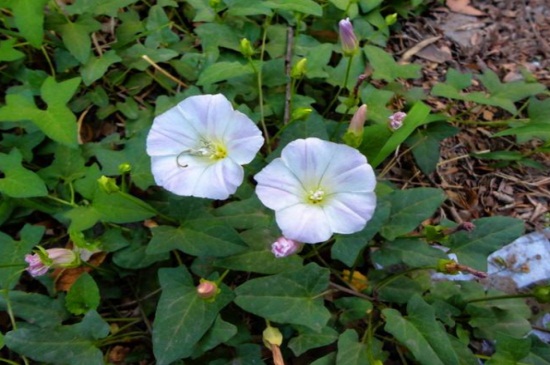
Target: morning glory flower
[
  {"x": 43, "y": 260},
  {"x": 318, "y": 188},
  {"x": 348, "y": 39},
  {"x": 197, "y": 147},
  {"x": 284, "y": 247}
]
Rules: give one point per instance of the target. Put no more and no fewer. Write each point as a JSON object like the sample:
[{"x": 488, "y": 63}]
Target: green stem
[
  {"x": 389, "y": 279},
  {"x": 344, "y": 86},
  {"x": 61, "y": 201},
  {"x": 8, "y": 361},
  {"x": 219, "y": 281},
  {"x": 500, "y": 297},
  {"x": 48, "y": 60}
]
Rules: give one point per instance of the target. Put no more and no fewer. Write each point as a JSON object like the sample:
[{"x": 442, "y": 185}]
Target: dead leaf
[
  {"x": 65, "y": 278},
  {"x": 463, "y": 7}
]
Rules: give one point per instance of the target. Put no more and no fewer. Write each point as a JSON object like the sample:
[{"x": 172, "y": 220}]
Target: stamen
[
  {"x": 316, "y": 196},
  {"x": 178, "y": 157}
]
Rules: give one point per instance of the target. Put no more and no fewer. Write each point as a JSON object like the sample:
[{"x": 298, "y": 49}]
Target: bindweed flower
[
  {"x": 197, "y": 147},
  {"x": 207, "y": 289},
  {"x": 318, "y": 188},
  {"x": 284, "y": 247},
  {"x": 396, "y": 120},
  {"x": 349, "y": 41},
  {"x": 43, "y": 260},
  {"x": 354, "y": 135}
]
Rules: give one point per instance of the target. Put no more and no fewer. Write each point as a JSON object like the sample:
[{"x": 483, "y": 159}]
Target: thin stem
[
  {"x": 500, "y": 297},
  {"x": 164, "y": 72},
  {"x": 346, "y": 78},
  {"x": 61, "y": 201},
  {"x": 52, "y": 69}
]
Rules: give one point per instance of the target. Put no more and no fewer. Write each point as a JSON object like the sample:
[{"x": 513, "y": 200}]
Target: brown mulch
[{"x": 512, "y": 38}]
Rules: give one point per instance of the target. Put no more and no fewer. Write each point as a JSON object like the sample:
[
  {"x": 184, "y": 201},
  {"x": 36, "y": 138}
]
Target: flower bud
[
  {"x": 350, "y": 44},
  {"x": 207, "y": 289},
  {"x": 396, "y": 120},
  {"x": 391, "y": 19},
  {"x": 300, "y": 113},
  {"x": 108, "y": 184},
  {"x": 542, "y": 294},
  {"x": 447, "y": 266},
  {"x": 284, "y": 247},
  {"x": 246, "y": 48},
  {"x": 354, "y": 135},
  {"x": 299, "y": 69},
  {"x": 43, "y": 260},
  {"x": 272, "y": 336},
  {"x": 124, "y": 168}
]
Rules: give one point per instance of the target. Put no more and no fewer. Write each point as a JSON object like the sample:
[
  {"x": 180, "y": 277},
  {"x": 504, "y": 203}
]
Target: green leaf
[
  {"x": 412, "y": 252},
  {"x": 50, "y": 344},
  {"x": 220, "y": 332},
  {"x": 8, "y": 53},
  {"x": 96, "y": 67},
  {"x": 425, "y": 144},
  {"x": 409, "y": 208},
  {"x": 36, "y": 309},
  {"x": 83, "y": 295},
  {"x": 247, "y": 8},
  {"x": 352, "y": 309},
  {"x": 58, "y": 122},
  {"x": 289, "y": 297},
  {"x": 348, "y": 247},
  {"x": 538, "y": 126},
  {"x": 98, "y": 7},
  {"x": 415, "y": 118},
  {"x": 385, "y": 67},
  {"x": 121, "y": 207},
  {"x": 222, "y": 71},
  {"x": 12, "y": 253},
  {"x": 199, "y": 237},
  {"x": 244, "y": 214},
  {"x": 182, "y": 317},
  {"x": 309, "y": 339},
  {"x": 18, "y": 182},
  {"x": 513, "y": 91},
  {"x": 135, "y": 256},
  {"x": 308, "y": 7},
  {"x": 400, "y": 290},
  {"x": 29, "y": 19},
  {"x": 490, "y": 234},
  {"x": 76, "y": 37},
  {"x": 258, "y": 257},
  {"x": 350, "y": 350},
  {"x": 421, "y": 333},
  {"x": 509, "y": 350}
]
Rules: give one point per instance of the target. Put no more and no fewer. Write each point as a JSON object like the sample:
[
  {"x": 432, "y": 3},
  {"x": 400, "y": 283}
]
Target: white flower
[
  {"x": 318, "y": 188},
  {"x": 197, "y": 147}
]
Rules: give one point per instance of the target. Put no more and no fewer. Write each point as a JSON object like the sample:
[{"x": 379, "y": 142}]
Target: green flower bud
[
  {"x": 124, "y": 168},
  {"x": 300, "y": 113},
  {"x": 272, "y": 336},
  {"x": 447, "y": 266},
  {"x": 542, "y": 294},
  {"x": 299, "y": 69},
  {"x": 246, "y": 48},
  {"x": 391, "y": 19},
  {"x": 108, "y": 184}
]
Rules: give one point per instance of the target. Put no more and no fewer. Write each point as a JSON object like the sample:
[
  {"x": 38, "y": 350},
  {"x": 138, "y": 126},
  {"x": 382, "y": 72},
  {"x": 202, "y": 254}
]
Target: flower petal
[
  {"x": 304, "y": 222},
  {"x": 201, "y": 177},
  {"x": 243, "y": 139},
  {"x": 278, "y": 187},
  {"x": 170, "y": 134},
  {"x": 349, "y": 212},
  {"x": 308, "y": 159}
]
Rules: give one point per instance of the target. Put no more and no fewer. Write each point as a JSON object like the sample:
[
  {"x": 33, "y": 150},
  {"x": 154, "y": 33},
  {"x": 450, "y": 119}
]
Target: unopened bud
[
  {"x": 43, "y": 260},
  {"x": 272, "y": 336},
  {"x": 447, "y": 266},
  {"x": 301, "y": 113},
  {"x": 246, "y": 48},
  {"x": 391, "y": 19},
  {"x": 354, "y": 135},
  {"x": 542, "y": 294},
  {"x": 395, "y": 121},
  {"x": 108, "y": 184},
  {"x": 284, "y": 247},
  {"x": 299, "y": 69},
  {"x": 207, "y": 289},
  {"x": 124, "y": 168},
  {"x": 350, "y": 44}
]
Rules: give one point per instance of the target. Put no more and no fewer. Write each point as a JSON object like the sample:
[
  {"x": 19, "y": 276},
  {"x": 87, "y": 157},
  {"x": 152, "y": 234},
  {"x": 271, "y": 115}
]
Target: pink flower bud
[
  {"x": 207, "y": 289},
  {"x": 39, "y": 263},
  {"x": 358, "y": 120},
  {"x": 284, "y": 247},
  {"x": 396, "y": 120},
  {"x": 349, "y": 41}
]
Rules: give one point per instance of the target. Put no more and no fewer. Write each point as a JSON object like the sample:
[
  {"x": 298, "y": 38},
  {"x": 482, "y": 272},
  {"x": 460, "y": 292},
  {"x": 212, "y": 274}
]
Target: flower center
[
  {"x": 213, "y": 151},
  {"x": 316, "y": 196}
]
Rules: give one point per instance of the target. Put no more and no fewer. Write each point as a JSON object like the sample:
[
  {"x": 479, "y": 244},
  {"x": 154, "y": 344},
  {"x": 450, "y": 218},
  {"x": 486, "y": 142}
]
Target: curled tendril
[{"x": 178, "y": 158}]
